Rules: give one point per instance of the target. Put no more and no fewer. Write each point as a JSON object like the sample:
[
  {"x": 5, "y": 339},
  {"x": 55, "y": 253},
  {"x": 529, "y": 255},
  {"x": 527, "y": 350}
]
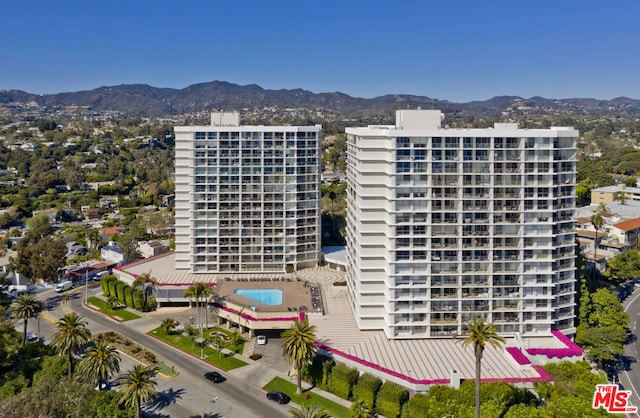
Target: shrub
[
  {"x": 120, "y": 286},
  {"x": 366, "y": 389},
  {"x": 318, "y": 372},
  {"x": 112, "y": 287},
  {"x": 138, "y": 300},
  {"x": 128, "y": 296},
  {"x": 391, "y": 397},
  {"x": 255, "y": 356},
  {"x": 343, "y": 379},
  {"x": 151, "y": 304}
]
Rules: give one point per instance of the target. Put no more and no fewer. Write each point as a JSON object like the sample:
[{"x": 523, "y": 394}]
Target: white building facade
[
  {"x": 445, "y": 225},
  {"x": 247, "y": 197}
]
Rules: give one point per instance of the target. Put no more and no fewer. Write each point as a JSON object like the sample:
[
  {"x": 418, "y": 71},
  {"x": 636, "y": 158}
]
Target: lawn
[
  {"x": 282, "y": 385},
  {"x": 222, "y": 360},
  {"x": 121, "y": 313}
]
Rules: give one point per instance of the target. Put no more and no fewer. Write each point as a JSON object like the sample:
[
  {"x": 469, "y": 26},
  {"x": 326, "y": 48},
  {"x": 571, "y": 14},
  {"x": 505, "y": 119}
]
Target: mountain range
[{"x": 145, "y": 100}]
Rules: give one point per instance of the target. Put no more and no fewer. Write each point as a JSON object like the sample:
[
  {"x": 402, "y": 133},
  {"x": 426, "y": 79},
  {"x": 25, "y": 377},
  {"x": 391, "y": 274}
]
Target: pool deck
[{"x": 295, "y": 294}]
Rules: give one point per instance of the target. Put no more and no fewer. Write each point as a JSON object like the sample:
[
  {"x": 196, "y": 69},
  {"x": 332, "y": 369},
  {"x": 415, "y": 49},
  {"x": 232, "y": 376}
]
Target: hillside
[{"x": 145, "y": 100}]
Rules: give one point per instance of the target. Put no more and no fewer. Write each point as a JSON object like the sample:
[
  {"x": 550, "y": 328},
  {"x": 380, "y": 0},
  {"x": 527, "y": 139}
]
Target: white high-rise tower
[
  {"x": 445, "y": 225},
  {"x": 247, "y": 197}
]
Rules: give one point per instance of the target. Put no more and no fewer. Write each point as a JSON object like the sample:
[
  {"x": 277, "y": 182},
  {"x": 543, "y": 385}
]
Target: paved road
[
  {"x": 630, "y": 375},
  {"x": 188, "y": 394}
]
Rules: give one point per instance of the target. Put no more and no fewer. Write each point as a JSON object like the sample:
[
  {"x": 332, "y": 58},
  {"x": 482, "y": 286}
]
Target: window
[
  {"x": 402, "y": 142},
  {"x": 402, "y": 255}
]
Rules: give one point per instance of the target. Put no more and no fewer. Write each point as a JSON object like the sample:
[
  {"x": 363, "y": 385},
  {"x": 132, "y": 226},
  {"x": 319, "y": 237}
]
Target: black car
[
  {"x": 278, "y": 397},
  {"x": 215, "y": 377}
]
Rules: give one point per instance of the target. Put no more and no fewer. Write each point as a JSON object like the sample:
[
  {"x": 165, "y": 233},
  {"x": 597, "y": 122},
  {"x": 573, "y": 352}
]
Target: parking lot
[{"x": 271, "y": 352}]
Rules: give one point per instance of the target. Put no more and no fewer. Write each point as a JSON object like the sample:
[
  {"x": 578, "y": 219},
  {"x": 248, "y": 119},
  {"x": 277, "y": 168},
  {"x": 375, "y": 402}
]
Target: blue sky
[{"x": 450, "y": 50}]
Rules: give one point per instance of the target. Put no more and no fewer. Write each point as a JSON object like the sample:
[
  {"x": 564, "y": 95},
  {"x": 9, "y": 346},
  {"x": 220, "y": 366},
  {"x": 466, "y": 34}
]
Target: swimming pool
[{"x": 266, "y": 296}]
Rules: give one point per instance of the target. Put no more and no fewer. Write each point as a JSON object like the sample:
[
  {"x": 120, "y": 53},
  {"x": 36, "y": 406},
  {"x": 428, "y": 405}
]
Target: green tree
[
  {"x": 606, "y": 309},
  {"x": 479, "y": 334},
  {"x": 25, "y": 307},
  {"x": 9, "y": 342},
  {"x": 624, "y": 266},
  {"x": 39, "y": 260},
  {"x": 601, "y": 343},
  {"x": 309, "y": 411},
  {"x": 70, "y": 336},
  {"x": 198, "y": 291},
  {"x": 137, "y": 387},
  {"x": 100, "y": 362},
  {"x": 298, "y": 346},
  {"x": 38, "y": 227}
]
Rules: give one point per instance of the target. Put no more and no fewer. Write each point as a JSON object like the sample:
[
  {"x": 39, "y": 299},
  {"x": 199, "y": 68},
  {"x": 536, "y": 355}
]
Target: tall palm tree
[
  {"x": 137, "y": 387},
  {"x": 24, "y": 307},
  {"x": 298, "y": 346},
  {"x": 197, "y": 291},
  {"x": 479, "y": 334},
  {"x": 70, "y": 336},
  {"x": 309, "y": 411},
  {"x": 100, "y": 362},
  {"x": 597, "y": 222}
]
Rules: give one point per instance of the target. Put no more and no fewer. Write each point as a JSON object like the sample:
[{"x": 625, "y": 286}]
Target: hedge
[
  {"x": 343, "y": 379},
  {"x": 366, "y": 389},
  {"x": 120, "y": 286},
  {"x": 128, "y": 296},
  {"x": 419, "y": 406},
  {"x": 391, "y": 397},
  {"x": 318, "y": 372},
  {"x": 151, "y": 304},
  {"x": 138, "y": 300},
  {"x": 112, "y": 288}
]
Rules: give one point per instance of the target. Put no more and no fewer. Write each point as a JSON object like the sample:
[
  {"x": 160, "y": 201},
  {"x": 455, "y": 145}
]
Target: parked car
[
  {"x": 214, "y": 377},
  {"x": 278, "y": 397},
  {"x": 262, "y": 340}
]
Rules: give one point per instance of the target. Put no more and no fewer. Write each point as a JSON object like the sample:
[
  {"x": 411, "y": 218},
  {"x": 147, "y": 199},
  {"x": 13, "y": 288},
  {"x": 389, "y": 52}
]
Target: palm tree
[
  {"x": 309, "y": 411},
  {"x": 100, "y": 362},
  {"x": 24, "y": 308},
  {"x": 218, "y": 343},
  {"x": 196, "y": 291},
  {"x": 169, "y": 324},
  {"x": 70, "y": 336},
  {"x": 298, "y": 346},
  {"x": 359, "y": 409},
  {"x": 597, "y": 222},
  {"x": 143, "y": 280},
  {"x": 479, "y": 334},
  {"x": 137, "y": 387}
]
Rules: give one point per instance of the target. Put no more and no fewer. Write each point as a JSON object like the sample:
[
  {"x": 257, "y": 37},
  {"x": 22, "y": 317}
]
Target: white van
[{"x": 63, "y": 286}]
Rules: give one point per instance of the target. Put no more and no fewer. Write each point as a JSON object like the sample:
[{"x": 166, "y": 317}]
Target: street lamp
[{"x": 86, "y": 286}]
